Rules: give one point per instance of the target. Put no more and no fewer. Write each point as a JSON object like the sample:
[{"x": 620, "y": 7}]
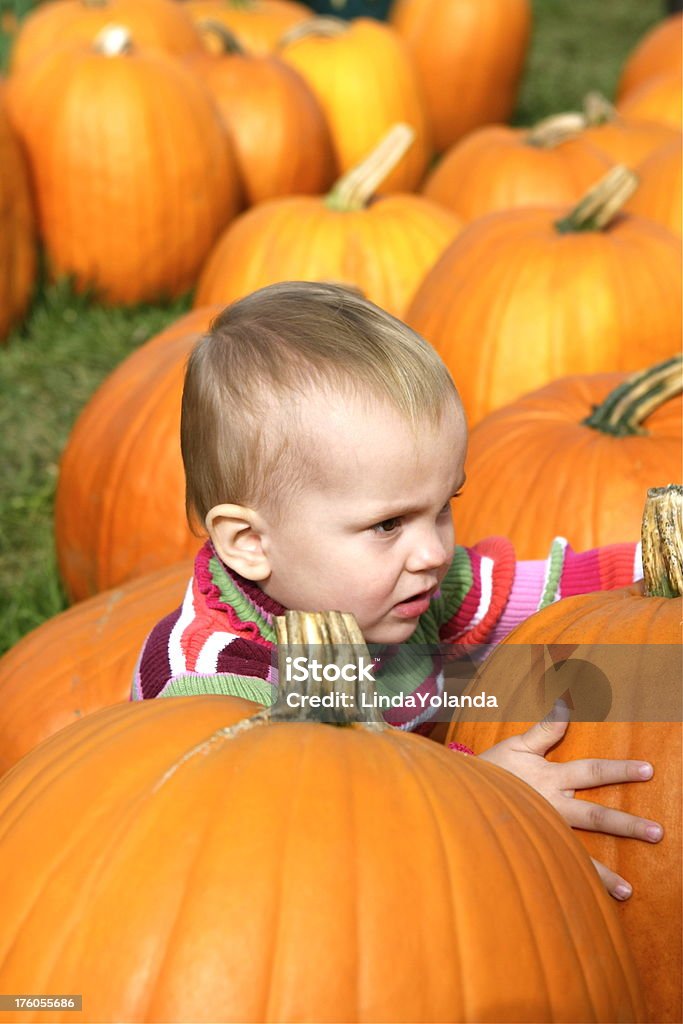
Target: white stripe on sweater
[
  {"x": 486, "y": 581},
  {"x": 175, "y": 650},
  {"x": 207, "y": 660}
]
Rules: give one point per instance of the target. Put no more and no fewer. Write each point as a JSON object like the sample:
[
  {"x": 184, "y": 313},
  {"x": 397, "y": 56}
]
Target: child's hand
[{"x": 523, "y": 755}]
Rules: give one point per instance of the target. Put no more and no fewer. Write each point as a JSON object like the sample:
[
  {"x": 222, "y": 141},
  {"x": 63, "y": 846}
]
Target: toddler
[{"x": 323, "y": 441}]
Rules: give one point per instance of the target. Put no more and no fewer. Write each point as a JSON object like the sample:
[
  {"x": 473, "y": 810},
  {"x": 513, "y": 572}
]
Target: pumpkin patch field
[{"x": 505, "y": 178}]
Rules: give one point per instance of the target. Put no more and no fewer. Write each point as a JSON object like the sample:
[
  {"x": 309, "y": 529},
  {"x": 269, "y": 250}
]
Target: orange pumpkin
[
  {"x": 81, "y": 660},
  {"x": 161, "y": 25},
  {"x": 497, "y": 167},
  {"x": 206, "y": 821},
  {"x": 127, "y": 211},
  {"x": 524, "y": 296},
  {"x": 121, "y": 475},
  {"x": 659, "y": 195},
  {"x": 469, "y": 55},
  {"x": 659, "y": 100},
  {"x": 17, "y": 228},
  {"x": 659, "y": 51},
  {"x": 384, "y": 247},
  {"x": 281, "y": 138},
  {"x": 628, "y": 653},
  {"x": 258, "y": 24},
  {"x": 623, "y": 135},
  {"x": 573, "y": 459},
  {"x": 365, "y": 81}
]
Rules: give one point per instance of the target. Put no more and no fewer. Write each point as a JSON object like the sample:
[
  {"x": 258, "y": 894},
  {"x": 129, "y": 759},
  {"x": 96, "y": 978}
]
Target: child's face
[{"x": 375, "y": 536}]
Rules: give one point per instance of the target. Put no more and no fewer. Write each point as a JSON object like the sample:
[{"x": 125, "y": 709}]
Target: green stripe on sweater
[{"x": 225, "y": 683}]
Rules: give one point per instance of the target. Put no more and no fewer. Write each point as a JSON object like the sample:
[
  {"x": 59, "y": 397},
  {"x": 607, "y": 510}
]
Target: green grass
[{"x": 68, "y": 344}]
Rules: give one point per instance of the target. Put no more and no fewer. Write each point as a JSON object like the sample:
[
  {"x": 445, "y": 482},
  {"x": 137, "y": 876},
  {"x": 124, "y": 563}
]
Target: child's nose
[{"x": 429, "y": 552}]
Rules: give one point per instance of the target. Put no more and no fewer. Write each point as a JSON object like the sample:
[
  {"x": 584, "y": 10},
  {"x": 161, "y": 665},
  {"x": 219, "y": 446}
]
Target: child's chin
[{"x": 392, "y": 633}]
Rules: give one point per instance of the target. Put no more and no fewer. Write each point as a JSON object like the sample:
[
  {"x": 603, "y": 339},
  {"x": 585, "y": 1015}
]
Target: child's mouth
[{"x": 415, "y": 606}]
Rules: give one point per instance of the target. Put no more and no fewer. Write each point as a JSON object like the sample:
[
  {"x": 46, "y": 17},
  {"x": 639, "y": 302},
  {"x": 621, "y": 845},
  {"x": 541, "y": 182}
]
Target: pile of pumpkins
[{"x": 222, "y": 145}]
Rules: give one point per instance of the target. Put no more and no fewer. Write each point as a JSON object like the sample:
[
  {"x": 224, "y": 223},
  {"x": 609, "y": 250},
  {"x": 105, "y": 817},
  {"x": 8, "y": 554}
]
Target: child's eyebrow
[{"x": 400, "y": 508}]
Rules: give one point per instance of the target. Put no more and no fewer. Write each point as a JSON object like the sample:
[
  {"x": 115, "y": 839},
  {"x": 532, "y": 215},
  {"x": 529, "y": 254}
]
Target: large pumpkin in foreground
[
  {"x": 573, "y": 459},
  {"x": 200, "y": 867},
  {"x": 524, "y": 296},
  {"x": 616, "y": 657},
  {"x": 80, "y": 660},
  {"x": 120, "y": 503}
]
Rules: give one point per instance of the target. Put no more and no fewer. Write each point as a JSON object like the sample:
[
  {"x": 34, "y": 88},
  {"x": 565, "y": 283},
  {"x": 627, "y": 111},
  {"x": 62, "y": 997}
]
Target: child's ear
[{"x": 236, "y": 535}]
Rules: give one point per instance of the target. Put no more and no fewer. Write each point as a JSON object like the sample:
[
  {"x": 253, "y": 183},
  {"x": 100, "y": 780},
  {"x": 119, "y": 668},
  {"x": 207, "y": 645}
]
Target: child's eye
[{"x": 387, "y": 525}]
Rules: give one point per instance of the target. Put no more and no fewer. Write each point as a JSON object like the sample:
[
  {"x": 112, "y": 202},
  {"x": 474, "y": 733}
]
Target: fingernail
[
  {"x": 654, "y": 832},
  {"x": 622, "y": 892},
  {"x": 646, "y": 771}
]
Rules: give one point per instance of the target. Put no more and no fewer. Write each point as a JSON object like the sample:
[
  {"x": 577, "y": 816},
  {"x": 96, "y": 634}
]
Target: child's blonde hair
[{"x": 239, "y": 436}]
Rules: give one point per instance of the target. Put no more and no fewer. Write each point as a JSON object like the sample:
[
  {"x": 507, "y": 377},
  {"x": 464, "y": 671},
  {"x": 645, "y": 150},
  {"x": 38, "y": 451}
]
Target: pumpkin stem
[
  {"x": 558, "y": 128},
  {"x": 113, "y": 41},
  {"x": 662, "y": 536},
  {"x": 602, "y": 203},
  {"x": 355, "y": 188},
  {"x": 330, "y": 28},
  {"x": 229, "y": 42},
  {"x": 598, "y": 109},
  {"x": 627, "y": 407}
]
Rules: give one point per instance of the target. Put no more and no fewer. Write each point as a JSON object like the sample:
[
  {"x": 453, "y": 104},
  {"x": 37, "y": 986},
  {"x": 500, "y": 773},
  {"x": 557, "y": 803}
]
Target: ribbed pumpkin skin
[
  {"x": 535, "y": 472},
  {"x": 659, "y": 195},
  {"x": 385, "y": 249},
  {"x": 366, "y": 83},
  {"x": 119, "y": 508},
  {"x": 362, "y": 842},
  {"x": 280, "y": 134},
  {"x": 128, "y": 211},
  {"x": 513, "y": 304},
  {"x": 160, "y": 25},
  {"x": 659, "y": 100},
  {"x": 258, "y": 24},
  {"x": 658, "y": 51},
  {"x": 495, "y": 168},
  {"x": 17, "y": 228},
  {"x": 629, "y": 140},
  {"x": 81, "y": 660},
  {"x": 636, "y": 668},
  {"x": 469, "y": 55}
]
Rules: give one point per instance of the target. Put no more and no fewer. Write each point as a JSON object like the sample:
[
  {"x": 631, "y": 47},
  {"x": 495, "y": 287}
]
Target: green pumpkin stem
[
  {"x": 554, "y": 130},
  {"x": 354, "y": 190},
  {"x": 625, "y": 409},
  {"x": 662, "y": 536},
  {"x": 228, "y": 40},
  {"x": 599, "y": 207}
]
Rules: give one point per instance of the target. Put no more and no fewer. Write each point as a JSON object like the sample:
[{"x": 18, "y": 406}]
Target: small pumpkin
[
  {"x": 658, "y": 52},
  {"x": 524, "y": 296},
  {"x": 129, "y": 212},
  {"x": 659, "y": 195},
  {"x": 573, "y": 459},
  {"x": 659, "y": 100},
  {"x": 121, "y": 472},
  {"x": 469, "y": 55},
  {"x": 616, "y": 656},
  {"x": 497, "y": 167},
  {"x": 365, "y": 81},
  {"x": 366, "y": 838},
  {"x": 279, "y": 132},
  {"x": 257, "y": 24},
  {"x": 161, "y": 25},
  {"x": 17, "y": 228},
  {"x": 80, "y": 660},
  {"x": 383, "y": 245}
]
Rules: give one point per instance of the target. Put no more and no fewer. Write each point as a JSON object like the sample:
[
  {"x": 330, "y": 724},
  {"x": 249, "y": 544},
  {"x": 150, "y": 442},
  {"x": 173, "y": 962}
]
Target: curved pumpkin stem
[
  {"x": 228, "y": 40},
  {"x": 602, "y": 203},
  {"x": 662, "y": 536},
  {"x": 554, "y": 130},
  {"x": 626, "y": 408},
  {"x": 329, "y": 28},
  {"x": 113, "y": 41},
  {"x": 354, "y": 190},
  {"x": 598, "y": 109}
]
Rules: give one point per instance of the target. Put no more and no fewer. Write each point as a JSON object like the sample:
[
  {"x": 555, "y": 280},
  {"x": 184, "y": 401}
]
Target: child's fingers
[
  {"x": 585, "y": 773},
  {"x": 545, "y": 734},
  {"x": 597, "y": 818},
  {"x": 616, "y": 885}
]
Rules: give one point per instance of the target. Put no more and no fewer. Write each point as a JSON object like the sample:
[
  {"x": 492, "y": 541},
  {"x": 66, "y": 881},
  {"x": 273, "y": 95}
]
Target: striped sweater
[{"x": 222, "y": 637}]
